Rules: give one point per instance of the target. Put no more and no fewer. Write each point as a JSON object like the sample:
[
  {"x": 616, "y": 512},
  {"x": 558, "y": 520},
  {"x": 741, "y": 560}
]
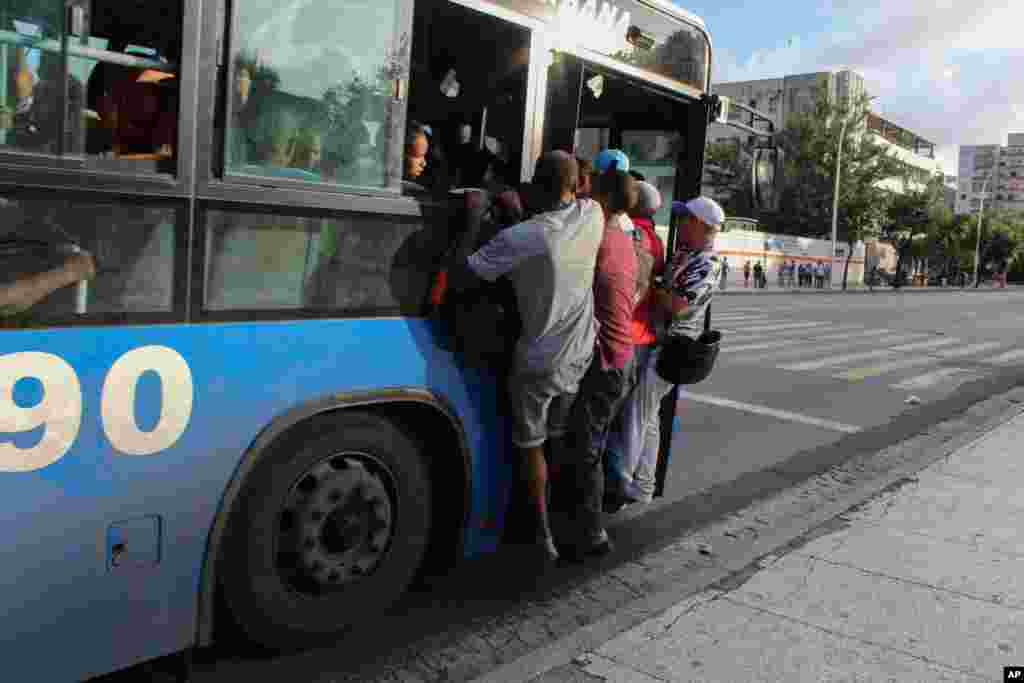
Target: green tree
[
  {"x": 727, "y": 167},
  {"x": 811, "y": 141},
  {"x": 915, "y": 216},
  {"x": 1002, "y": 239},
  {"x": 944, "y": 246}
]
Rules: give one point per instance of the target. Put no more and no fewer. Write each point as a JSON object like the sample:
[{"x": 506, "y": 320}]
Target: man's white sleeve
[{"x": 505, "y": 251}]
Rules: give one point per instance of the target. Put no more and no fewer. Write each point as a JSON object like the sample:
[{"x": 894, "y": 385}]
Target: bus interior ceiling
[
  {"x": 138, "y": 22},
  {"x": 619, "y": 104},
  {"x": 490, "y": 58}
]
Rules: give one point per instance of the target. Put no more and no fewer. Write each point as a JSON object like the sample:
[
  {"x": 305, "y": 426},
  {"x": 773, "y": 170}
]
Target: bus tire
[{"x": 326, "y": 532}]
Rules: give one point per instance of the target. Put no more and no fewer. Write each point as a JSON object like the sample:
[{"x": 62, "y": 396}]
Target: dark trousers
[{"x": 601, "y": 394}]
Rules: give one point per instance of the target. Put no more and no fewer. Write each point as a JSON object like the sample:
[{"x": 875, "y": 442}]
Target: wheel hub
[{"x": 337, "y": 521}]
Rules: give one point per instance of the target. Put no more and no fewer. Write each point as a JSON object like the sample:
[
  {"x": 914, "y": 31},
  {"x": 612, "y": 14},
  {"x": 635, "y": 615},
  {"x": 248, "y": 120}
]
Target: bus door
[
  {"x": 470, "y": 89},
  {"x": 590, "y": 108}
]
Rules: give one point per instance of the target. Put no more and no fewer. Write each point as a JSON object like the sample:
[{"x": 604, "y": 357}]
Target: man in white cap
[{"x": 693, "y": 277}]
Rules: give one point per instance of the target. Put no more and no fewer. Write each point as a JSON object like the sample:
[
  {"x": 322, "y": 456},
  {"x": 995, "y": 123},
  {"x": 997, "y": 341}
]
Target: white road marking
[
  {"x": 769, "y": 412},
  {"x": 743, "y": 318},
  {"x": 830, "y": 361},
  {"x": 930, "y": 379},
  {"x": 805, "y": 350},
  {"x": 782, "y": 327},
  {"x": 850, "y": 332},
  {"x": 1006, "y": 357},
  {"x": 938, "y": 356}
]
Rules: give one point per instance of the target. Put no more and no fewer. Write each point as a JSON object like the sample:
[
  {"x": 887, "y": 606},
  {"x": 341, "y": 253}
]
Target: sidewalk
[
  {"x": 925, "y": 583},
  {"x": 733, "y": 290}
]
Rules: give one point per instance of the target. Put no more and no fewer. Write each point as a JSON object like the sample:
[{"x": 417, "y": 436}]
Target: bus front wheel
[{"x": 326, "y": 532}]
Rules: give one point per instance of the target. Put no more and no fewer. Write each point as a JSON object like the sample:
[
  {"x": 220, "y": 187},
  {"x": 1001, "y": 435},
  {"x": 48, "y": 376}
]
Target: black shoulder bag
[
  {"x": 687, "y": 361},
  {"x": 482, "y": 325}
]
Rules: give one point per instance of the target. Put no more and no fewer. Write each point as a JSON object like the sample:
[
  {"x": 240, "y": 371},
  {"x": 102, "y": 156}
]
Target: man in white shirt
[{"x": 550, "y": 260}]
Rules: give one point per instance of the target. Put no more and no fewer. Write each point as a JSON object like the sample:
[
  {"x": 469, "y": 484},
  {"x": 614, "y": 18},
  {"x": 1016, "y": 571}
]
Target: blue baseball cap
[{"x": 605, "y": 158}]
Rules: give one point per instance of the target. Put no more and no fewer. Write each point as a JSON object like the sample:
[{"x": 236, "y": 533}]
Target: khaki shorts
[{"x": 540, "y": 409}]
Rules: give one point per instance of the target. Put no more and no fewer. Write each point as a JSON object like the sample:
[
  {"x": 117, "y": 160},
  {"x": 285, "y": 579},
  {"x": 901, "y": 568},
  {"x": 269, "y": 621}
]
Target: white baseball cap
[{"x": 707, "y": 210}]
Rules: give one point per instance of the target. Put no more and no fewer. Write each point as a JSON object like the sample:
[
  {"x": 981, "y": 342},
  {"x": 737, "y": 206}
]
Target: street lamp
[
  {"x": 977, "y": 241},
  {"x": 835, "y": 200}
]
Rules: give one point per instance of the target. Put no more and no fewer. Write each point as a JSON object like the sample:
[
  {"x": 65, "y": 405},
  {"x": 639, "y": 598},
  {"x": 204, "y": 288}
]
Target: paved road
[
  {"x": 801, "y": 382},
  {"x": 797, "y": 373}
]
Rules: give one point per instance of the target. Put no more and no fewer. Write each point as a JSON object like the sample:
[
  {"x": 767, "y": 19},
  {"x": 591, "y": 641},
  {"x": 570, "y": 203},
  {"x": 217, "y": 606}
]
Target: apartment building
[
  {"x": 779, "y": 98},
  {"x": 916, "y": 153},
  {"x": 996, "y": 170}
]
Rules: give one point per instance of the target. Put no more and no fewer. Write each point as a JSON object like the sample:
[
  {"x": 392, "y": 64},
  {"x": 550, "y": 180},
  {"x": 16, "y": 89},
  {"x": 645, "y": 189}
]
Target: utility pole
[
  {"x": 977, "y": 241},
  {"x": 835, "y": 204}
]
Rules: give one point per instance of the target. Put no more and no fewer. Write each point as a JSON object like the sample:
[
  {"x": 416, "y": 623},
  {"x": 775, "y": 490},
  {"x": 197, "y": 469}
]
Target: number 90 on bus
[{"x": 59, "y": 411}]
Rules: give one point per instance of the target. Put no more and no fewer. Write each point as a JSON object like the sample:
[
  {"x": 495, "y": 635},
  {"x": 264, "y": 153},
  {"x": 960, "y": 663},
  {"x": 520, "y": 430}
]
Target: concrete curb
[{"x": 785, "y": 521}]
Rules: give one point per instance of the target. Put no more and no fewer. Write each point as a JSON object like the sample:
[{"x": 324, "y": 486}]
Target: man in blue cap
[{"x": 606, "y": 157}]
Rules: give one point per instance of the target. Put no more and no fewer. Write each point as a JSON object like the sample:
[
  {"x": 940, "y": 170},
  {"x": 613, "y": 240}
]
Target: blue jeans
[
  {"x": 632, "y": 455},
  {"x": 600, "y": 397}
]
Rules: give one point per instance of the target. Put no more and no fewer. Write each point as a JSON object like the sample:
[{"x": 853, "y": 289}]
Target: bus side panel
[{"x": 130, "y": 479}]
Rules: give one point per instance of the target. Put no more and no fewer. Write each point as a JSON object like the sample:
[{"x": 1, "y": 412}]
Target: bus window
[
  {"x": 653, "y": 153},
  {"x": 468, "y": 88},
  {"x": 312, "y": 92},
  {"x": 589, "y": 110},
  {"x": 133, "y": 248},
  {"x": 352, "y": 265},
  {"x": 118, "y": 107}
]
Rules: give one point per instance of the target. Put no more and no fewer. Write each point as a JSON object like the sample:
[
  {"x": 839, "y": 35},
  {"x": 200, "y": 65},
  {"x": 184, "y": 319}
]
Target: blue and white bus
[{"x": 248, "y": 404}]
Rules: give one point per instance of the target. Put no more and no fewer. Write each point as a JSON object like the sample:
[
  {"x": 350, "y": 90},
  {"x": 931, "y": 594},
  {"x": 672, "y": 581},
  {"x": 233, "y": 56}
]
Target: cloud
[
  {"x": 789, "y": 56},
  {"x": 949, "y": 70}
]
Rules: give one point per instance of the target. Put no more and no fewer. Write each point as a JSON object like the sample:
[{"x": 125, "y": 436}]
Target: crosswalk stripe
[
  {"x": 758, "y": 311},
  {"x": 770, "y": 412},
  {"x": 850, "y": 332},
  {"x": 770, "y": 326},
  {"x": 748, "y": 316},
  {"x": 930, "y": 379},
  {"x": 1006, "y": 357},
  {"x": 846, "y": 344},
  {"x": 903, "y": 363},
  {"x": 748, "y": 321},
  {"x": 879, "y": 353},
  {"x": 779, "y": 328}
]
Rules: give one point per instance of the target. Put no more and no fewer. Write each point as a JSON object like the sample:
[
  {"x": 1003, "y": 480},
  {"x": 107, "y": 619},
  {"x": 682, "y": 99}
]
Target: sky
[{"x": 952, "y": 72}]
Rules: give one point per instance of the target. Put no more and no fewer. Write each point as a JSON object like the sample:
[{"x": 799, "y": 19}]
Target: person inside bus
[
  {"x": 27, "y": 291},
  {"x": 584, "y": 187},
  {"x": 550, "y": 259},
  {"x": 607, "y": 380},
  {"x": 679, "y": 305},
  {"x": 39, "y": 106},
  {"x": 417, "y": 144},
  {"x": 137, "y": 107}
]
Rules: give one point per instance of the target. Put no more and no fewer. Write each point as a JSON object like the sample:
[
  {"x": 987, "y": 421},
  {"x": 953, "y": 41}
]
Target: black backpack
[{"x": 482, "y": 325}]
